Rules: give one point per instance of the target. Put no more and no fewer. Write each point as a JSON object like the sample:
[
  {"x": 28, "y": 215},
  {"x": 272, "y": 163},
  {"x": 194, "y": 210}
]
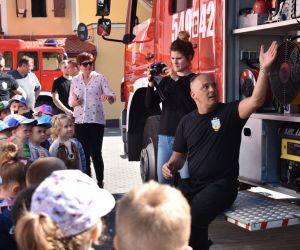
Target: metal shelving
[{"x": 276, "y": 28}]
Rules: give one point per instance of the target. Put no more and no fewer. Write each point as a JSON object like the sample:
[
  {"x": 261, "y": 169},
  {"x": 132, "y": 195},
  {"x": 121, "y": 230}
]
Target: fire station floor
[{"x": 121, "y": 175}]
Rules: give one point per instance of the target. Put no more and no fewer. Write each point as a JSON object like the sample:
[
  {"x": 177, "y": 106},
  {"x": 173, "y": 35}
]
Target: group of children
[
  {"x": 46, "y": 206},
  {"x": 62, "y": 209},
  {"x": 50, "y": 203},
  {"x": 39, "y": 134}
]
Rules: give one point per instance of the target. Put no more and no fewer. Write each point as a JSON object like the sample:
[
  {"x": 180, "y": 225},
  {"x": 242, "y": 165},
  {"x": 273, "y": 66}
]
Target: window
[
  {"x": 180, "y": 5},
  {"x": 31, "y": 54},
  {"x": 59, "y": 8},
  {"x": 8, "y": 60},
  {"x": 143, "y": 13},
  {"x": 21, "y": 8},
  {"x": 51, "y": 60},
  {"x": 38, "y": 8}
]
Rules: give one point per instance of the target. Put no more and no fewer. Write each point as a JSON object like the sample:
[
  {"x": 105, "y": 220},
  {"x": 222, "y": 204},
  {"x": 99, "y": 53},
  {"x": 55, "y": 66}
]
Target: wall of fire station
[{"x": 18, "y": 25}]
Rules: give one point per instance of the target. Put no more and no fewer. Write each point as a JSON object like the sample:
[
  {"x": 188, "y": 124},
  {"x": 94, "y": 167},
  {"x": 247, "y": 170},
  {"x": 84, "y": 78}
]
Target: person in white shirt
[
  {"x": 27, "y": 80},
  {"x": 88, "y": 90}
]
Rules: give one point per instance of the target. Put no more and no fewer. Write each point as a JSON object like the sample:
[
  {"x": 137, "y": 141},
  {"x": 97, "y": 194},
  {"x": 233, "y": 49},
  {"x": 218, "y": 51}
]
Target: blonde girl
[{"x": 63, "y": 146}]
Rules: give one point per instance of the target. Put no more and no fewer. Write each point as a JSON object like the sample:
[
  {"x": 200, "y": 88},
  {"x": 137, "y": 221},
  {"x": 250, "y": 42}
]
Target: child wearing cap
[
  {"x": 63, "y": 146},
  {"x": 43, "y": 110},
  {"x": 4, "y": 109},
  {"x": 12, "y": 180},
  {"x": 21, "y": 130},
  {"x": 60, "y": 217},
  {"x": 37, "y": 137},
  {"x": 152, "y": 217},
  {"x": 46, "y": 119},
  {"x": 5, "y": 131},
  {"x": 17, "y": 103}
]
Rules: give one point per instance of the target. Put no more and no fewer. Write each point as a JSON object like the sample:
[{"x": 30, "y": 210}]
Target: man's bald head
[
  {"x": 204, "y": 92},
  {"x": 200, "y": 77}
]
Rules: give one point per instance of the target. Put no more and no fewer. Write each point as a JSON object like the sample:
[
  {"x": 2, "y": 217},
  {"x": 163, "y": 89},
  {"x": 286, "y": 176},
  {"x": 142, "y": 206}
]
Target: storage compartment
[{"x": 260, "y": 152}]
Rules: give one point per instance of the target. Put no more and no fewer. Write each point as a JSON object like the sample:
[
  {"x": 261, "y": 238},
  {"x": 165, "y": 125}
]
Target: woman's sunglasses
[{"x": 85, "y": 64}]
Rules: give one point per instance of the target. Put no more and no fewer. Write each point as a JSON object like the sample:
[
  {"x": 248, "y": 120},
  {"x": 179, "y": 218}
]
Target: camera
[{"x": 157, "y": 68}]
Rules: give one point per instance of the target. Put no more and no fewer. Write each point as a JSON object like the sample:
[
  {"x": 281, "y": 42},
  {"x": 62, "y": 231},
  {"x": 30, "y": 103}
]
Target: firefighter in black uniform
[{"x": 209, "y": 138}]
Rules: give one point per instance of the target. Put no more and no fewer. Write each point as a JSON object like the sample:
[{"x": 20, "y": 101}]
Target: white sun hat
[{"x": 72, "y": 200}]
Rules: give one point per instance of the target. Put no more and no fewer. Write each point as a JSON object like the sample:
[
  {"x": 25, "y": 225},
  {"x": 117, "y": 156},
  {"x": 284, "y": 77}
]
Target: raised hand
[{"x": 266, "y": 58}]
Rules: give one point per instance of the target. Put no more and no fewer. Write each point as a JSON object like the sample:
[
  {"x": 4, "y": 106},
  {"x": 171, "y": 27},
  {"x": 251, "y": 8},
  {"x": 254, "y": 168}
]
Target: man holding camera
[{"x": 174, "y": 94}]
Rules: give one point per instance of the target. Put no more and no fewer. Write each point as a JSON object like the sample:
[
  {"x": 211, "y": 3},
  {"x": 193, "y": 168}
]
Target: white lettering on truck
[{"x": 189, "y": 20}]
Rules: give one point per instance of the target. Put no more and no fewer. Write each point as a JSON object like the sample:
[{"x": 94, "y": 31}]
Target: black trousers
[
  {"x": 91, "y": 137},
  {"x": 207, "y": 202}
]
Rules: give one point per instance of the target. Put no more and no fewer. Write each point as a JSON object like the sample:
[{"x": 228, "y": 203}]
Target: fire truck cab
[{"x": 46, "y": 61}]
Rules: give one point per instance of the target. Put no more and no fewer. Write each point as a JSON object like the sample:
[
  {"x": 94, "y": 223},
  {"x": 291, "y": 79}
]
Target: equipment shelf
[{"x": 276, "y": 28}]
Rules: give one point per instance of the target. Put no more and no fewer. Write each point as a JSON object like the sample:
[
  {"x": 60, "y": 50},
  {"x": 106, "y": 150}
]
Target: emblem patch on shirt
[
  {"x": 216, "y": 124},
  {"x": 4, "y": 85}
]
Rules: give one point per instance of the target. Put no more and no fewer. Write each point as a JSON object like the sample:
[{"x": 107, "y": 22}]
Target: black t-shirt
[
  {"x": 212, "y": 142},
  {"x": 62, "y": 85},
  {"x": 178, "y": 102},
  {"x": 7, "y": 84}
]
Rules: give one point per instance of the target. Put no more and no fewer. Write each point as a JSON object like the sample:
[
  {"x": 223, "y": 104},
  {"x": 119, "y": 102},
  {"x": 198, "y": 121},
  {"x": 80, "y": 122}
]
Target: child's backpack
[{"x": 71, "y": 159}]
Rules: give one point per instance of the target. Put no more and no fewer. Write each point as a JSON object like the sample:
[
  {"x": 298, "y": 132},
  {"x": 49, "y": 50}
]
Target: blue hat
[
  {"x": 3, "y": 126},
  {"x": 14, "y": 121},
  {"x": 4, "y": 105},
  {"x": 18, "y": 98},
  {"x": 44, "y": 120}
]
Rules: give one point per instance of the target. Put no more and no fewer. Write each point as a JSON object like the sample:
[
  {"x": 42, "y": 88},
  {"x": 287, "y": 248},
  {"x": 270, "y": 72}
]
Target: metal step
[{"x": 255, "y": 212}]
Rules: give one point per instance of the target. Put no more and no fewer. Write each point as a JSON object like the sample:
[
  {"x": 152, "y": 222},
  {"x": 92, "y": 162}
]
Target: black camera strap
[{"x": 158, "y": 89}]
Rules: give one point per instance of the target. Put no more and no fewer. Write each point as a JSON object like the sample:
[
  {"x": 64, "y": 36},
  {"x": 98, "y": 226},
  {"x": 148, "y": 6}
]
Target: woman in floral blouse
[{"x": 88, "y": 90}]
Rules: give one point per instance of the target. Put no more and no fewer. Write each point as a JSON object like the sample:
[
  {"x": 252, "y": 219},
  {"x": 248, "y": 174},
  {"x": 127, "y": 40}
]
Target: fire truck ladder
[{"x": 255, "y": 212}]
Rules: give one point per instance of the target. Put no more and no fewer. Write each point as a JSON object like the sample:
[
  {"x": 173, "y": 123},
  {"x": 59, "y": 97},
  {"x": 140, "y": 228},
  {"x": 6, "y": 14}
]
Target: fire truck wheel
[
  {"x": 149, "y": 149},
  {"x": 147, "y": 162}
]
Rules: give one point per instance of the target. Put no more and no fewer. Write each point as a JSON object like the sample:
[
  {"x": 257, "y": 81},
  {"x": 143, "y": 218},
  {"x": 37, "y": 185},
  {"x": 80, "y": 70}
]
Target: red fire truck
[
  {"x": 46, "y": 61},
  {"x": 226, "y": 36}
]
